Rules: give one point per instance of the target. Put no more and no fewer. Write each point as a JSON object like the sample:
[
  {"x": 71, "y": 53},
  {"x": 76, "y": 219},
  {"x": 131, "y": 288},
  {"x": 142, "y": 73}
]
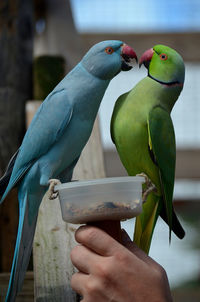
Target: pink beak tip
[
  {"x": 127, "y": 50},
  {"x": 147, "y": 56}
]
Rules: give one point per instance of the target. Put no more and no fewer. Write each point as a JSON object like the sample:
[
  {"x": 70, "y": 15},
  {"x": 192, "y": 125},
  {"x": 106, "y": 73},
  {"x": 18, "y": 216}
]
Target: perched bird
[
  {"x": 142, "y": 130},
  {"x": 54, "y": 140}
]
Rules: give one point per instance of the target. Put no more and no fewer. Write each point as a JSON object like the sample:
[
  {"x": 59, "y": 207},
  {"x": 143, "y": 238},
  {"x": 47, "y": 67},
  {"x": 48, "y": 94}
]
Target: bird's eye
[
  {"x": 163, "y": 56},
  {"x": 109, "y": 50}
]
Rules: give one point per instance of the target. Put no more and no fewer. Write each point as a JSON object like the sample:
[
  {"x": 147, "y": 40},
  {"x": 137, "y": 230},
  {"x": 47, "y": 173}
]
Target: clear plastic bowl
[{"x": 116, "y": 198}]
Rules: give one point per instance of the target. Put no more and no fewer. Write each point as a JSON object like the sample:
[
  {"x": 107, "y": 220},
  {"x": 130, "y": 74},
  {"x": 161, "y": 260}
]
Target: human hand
[{"x": 109, "y": 271}]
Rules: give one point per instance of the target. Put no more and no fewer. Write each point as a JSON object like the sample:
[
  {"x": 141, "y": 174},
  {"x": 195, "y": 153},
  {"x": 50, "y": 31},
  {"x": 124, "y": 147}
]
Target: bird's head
[
  {"x": 106, "y": 59},
  {"x": 164, "y": 65}
]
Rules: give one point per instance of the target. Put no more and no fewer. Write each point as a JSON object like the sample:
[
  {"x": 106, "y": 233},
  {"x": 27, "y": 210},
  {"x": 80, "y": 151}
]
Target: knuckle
[
  {"x": 160, "y": 272},
  {"x": 103, "y": 270},
  {"x": 105, "y": 273},
  {"x": 91, "y": 287},
  {"x": 121, "y": 258}
]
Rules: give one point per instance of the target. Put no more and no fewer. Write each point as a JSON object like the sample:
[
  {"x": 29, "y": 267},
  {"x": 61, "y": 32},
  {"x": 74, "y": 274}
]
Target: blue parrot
[{"x": 54, "y": 141}]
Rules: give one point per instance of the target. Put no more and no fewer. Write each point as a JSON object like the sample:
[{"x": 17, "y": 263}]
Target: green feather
[
  {"x": 161, "y": 131},
  {"x": 145, "y": 222}
]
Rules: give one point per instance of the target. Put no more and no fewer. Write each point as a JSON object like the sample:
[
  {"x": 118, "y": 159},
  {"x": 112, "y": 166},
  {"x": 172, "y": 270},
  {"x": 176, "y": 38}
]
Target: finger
[
  {"x": 133, "y": 248},
  {"x": 97, "y": 240},
  {"x": 84, "y": 259},
  {"x": 78, "y": 282}
]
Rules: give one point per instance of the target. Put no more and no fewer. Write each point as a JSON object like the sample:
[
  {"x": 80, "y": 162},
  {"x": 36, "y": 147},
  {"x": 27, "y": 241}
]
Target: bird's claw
[
  {"x": 150, "y": 187},
  {"x": 53, "y": 194}
]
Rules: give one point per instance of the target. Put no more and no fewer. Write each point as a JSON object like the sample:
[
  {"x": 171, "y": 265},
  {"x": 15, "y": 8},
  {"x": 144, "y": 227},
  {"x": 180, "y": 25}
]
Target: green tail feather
[{"x": 146, "y": 221}]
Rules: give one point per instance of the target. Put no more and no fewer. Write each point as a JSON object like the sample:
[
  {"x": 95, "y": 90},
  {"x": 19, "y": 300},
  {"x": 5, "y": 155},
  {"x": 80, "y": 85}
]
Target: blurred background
[{"x": 70, "y": 28}]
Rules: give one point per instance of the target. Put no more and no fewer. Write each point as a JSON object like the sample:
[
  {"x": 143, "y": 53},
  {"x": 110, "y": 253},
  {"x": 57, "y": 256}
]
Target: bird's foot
[
  {"x": 150, "y": 187},
  {"x": 53, "y": 194}
]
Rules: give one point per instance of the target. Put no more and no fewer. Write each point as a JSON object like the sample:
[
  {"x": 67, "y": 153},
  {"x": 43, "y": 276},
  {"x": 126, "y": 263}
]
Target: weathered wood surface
[
  {"x": 16, "y": 43},
  {"x": 54, "y": 238}
]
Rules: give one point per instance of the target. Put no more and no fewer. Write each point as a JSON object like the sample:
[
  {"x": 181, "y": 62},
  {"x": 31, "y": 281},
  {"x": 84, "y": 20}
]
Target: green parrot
[{"x": 142, "y": 130}]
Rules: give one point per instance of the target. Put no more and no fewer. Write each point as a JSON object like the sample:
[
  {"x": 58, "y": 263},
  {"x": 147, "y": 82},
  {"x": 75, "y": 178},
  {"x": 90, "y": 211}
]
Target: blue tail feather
[{"x": 22, "y": 253}]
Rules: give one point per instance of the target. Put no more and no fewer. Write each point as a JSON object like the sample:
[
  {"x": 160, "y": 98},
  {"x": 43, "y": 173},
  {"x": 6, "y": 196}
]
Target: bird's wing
[
  {"x": 47, "y": 127},
  {"x": 116, "y": 109},
  {"x": 162, "y": 144}
]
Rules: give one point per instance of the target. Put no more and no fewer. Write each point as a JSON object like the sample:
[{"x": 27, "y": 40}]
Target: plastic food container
[{"x": 116, "y": 198}]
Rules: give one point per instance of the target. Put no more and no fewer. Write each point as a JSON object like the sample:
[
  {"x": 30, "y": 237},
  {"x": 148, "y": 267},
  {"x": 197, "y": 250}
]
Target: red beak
[
  {"x": 146, "y": 57},
  {"x": 128, "y": 52}
]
